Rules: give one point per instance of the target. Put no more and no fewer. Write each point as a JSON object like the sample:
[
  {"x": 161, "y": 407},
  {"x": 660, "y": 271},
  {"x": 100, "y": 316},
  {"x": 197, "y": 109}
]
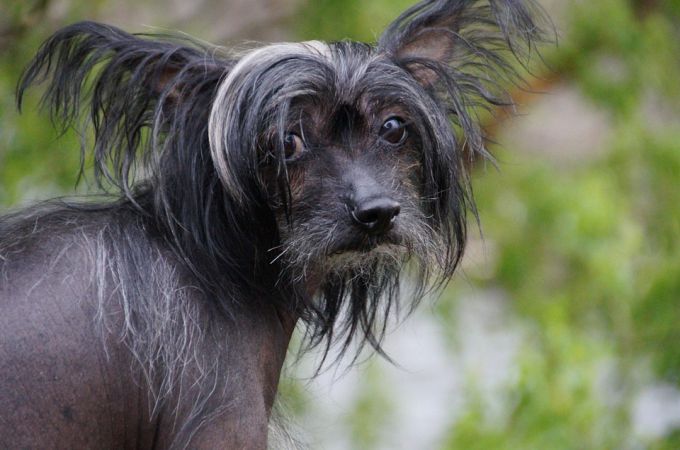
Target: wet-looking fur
[{"x": 236, "y": 178}]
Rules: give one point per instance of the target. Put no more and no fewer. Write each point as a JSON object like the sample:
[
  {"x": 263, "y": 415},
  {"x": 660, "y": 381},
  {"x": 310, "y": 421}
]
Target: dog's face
[{"x": 343, "y": 162}]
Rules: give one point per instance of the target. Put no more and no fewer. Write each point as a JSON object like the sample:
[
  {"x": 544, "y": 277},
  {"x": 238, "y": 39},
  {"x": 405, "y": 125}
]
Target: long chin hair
[{"x": 178, "y": 134}]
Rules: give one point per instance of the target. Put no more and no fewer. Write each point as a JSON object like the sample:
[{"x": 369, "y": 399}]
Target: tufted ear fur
[
  {"x": 426, "y": 31},
  {"x": 141, "y": 93},
  {"x": 467, "y": 36}
]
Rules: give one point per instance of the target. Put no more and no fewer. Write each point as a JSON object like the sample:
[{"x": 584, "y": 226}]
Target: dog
[{"x": 246, "y": 193}]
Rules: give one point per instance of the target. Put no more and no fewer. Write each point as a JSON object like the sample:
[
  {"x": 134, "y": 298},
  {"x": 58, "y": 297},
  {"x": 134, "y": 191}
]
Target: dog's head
[
  {"x": 360, "y": 149},
  {"x": 355, "y": 151}
]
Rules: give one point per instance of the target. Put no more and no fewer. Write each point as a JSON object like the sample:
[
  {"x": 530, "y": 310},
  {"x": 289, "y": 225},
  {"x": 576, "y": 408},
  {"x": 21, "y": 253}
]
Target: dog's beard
[
  {"x": 320, "y": 248},
  {"x": 352, "y": 282}
]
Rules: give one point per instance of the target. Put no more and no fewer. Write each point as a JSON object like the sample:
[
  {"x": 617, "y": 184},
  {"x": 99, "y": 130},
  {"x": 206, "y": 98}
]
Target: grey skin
[{"x": 62, "y": 387}]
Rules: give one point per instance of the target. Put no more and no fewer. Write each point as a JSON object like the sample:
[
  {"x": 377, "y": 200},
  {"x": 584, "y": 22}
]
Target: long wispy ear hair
[
  {"x": 148, "y": 99},
  {"x": 467, "y": 52}
]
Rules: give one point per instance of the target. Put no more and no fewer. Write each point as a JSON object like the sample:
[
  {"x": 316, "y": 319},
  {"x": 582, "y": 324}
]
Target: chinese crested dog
[{"x": 249, "y": 191}]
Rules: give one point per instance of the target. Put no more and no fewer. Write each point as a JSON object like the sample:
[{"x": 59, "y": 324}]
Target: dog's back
[
  {"x": 52, "y": 372},
  {"x": 103, "y": 343}
]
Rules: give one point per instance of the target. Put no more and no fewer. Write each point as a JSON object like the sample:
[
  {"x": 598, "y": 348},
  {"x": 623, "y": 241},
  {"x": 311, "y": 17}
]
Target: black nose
[{"x": 376, "y": 214}]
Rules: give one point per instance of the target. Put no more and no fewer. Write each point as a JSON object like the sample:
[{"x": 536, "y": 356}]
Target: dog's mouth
[{"x": 364, "y": 243}]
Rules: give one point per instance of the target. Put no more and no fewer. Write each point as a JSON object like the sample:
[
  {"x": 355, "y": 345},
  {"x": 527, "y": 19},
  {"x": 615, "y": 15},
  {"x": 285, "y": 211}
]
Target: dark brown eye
[
  {"x": 393, "y": 131},
  {"x": 292, "y": 146}
]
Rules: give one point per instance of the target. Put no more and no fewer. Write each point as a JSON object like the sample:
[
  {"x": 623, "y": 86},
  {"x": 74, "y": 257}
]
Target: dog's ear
[
  {"x": 141, "y": 93},
  {"x": 155, "y": 67},
  {"x": 467, "y": 36},
  {"x": 426, "y": 32},
  {"x": 463, "y": 52}
]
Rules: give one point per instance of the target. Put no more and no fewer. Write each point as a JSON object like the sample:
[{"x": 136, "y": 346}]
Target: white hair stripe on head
[{"x": 221, "y": 112}]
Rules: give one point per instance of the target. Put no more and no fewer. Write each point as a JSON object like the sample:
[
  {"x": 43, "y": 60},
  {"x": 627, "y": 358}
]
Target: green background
[{"x": 581, "y": 252}]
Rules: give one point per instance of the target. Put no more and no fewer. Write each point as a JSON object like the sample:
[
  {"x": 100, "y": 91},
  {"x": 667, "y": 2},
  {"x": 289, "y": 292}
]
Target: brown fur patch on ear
[
  {"x": 425, "y": 57},
  {"x": 433, "y": 40},
  {"x": 436, "y": 44}
]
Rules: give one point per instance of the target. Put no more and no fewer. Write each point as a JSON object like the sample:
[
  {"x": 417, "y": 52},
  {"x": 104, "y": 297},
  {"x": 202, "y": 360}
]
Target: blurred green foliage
[
  {"x": 334, "y": 20},
  {"x": 588, "y": 254},
  {"x": 36, "y": 160}
]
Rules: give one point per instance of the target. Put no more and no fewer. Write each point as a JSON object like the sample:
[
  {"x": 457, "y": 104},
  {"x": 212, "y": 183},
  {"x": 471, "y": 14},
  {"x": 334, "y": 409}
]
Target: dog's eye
[
  {"x": 393, "y": 131},
  {"x": 292, "y": 146}
]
